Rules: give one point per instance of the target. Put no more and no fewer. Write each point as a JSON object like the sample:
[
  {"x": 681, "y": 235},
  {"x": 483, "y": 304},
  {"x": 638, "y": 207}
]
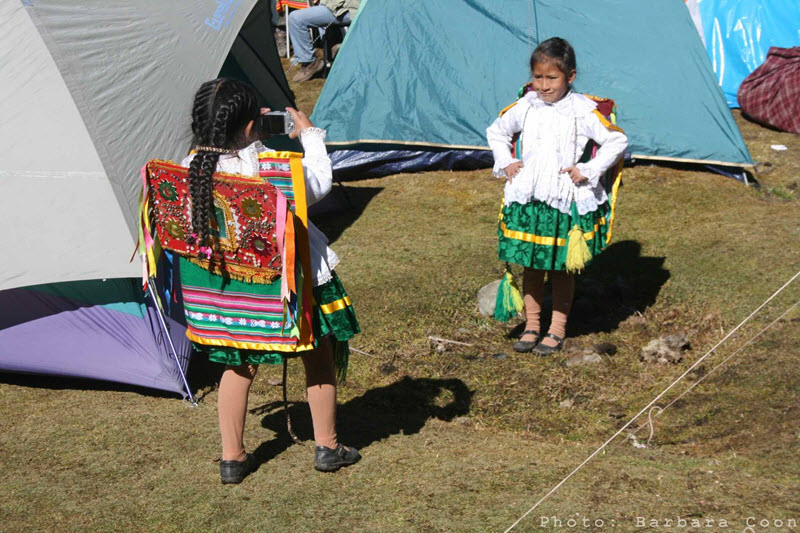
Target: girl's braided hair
[{"x": 222, "y": 109}]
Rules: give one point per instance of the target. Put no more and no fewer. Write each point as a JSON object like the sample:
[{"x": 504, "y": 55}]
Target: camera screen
[{"x": 272, "y": 124}]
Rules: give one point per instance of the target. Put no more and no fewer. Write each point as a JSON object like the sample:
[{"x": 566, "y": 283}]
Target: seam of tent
[
  {"x": 699, "y": 161},
  {"x": 409, "y": 143},
  {"x": 485, "y": 148}
]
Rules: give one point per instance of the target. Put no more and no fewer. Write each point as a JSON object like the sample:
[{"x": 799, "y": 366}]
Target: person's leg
[
  {"x": 300, "y": 21},
  {"x": 563, "y": 292},
  {"x": 533, "y": 294},
  {"x": 234, "y": 389},
  {"x": 275, "y": 18},
  {"x": 278, "y": 31},
  {"x": 321, "y": 388},
  {"x": 329, "y": 455}
]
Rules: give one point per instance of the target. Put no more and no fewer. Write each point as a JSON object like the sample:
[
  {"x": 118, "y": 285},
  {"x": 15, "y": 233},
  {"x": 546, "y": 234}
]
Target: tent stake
[{"x": 165, "y": 331}]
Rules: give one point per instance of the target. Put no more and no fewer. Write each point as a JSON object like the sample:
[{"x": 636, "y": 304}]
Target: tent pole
[{"x": 165, "y": 331}]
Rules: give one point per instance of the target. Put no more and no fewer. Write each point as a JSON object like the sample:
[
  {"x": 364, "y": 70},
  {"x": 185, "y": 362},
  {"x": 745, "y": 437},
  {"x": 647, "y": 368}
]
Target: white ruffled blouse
[
  {"x": 319, "y": 180},
  {"x": 553, "y": 138}
]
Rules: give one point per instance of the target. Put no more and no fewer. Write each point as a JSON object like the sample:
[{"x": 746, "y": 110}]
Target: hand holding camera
[{"x": 290, "y": 122}]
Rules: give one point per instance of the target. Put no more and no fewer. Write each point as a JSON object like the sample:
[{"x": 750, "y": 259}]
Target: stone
[
  {"x": 666, "y": 349},
  {"x": 677, "y": 341},
  {"x": 498, "y": 356},
  {"x": 588, "y": 357},
  {"x": 275, "y": 381},
  {"x": 487, "y": 296},
  {"x": 566, "y": 404}
]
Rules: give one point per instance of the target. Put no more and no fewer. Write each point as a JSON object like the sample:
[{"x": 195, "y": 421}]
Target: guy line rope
[{"x": 648, "y": 406}]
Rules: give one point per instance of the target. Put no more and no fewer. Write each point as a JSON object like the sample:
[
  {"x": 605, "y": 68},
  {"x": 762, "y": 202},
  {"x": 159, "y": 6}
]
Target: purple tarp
[{"x": 90, "y": 329}]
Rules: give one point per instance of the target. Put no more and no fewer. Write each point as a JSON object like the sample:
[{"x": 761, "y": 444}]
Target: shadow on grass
[
  {"x": 55, "y": 382},
  {"x": 201, "y": 374},
  {"x": 400, "y": 408},
  {"x": 343, "y": 206},
  {"x": 619, "y": 283}
]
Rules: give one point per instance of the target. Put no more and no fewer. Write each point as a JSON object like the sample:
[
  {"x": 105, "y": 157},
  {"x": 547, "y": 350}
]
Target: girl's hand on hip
[
  {"x": 575, "y": 175},
  {"x": 301, "y": 122},
  {"x": 512, "y": 170}
]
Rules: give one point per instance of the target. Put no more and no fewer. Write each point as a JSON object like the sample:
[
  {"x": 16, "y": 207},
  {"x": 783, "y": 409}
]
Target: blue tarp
[
  {"x": 417, "y": 75},
  {"x": 739, "y": 33}
]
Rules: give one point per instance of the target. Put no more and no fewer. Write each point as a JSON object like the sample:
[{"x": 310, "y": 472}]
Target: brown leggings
[
  {"x": 234, "y": 389},
  {"x": 533, "y": 294}
]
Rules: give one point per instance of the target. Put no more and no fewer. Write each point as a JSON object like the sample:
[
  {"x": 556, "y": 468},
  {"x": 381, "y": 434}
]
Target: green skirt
[
  {"x": 219, "y": 308},
  {"x": 534, "y": 235}
]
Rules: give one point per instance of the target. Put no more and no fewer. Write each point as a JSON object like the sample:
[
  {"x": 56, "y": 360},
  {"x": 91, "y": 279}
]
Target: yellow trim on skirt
[
  {"x": 258, "y": 346},
  {"x": 338, "y": 305},
  {"x": 546, "y": 241}
]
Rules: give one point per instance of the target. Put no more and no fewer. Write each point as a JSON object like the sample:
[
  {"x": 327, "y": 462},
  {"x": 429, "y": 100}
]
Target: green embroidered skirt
[
  {"x": 222, "y": 311},
  {"x": 534, "y": 235}
]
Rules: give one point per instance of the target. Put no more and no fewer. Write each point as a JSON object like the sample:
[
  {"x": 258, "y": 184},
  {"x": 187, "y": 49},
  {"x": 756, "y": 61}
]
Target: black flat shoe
[
  {"x": 526, "y": 346},
  {"x": 330, "y": 460},
  {"x": 236, "y": 471},
  {"x": 543, "y": 349}
]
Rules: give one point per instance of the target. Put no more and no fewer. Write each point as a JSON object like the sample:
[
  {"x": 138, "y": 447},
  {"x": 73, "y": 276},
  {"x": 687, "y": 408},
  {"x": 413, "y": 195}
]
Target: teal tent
[{"x": 417, "y": 82}]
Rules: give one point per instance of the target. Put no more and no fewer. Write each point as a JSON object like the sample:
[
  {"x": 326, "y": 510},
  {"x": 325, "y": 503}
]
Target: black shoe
[
  {"x": 330, "y": 460},
  {"x": 527, "y": 346},
  {"x": 236, "y": 471},
  {"x": 543, "y": 349}
]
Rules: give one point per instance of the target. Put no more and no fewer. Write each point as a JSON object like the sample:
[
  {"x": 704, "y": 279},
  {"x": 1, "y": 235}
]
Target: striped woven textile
[
  {"x": 236, "y": 314},
  {"x": 276, "y": 168},
  {"x": 223, "y": 311}
]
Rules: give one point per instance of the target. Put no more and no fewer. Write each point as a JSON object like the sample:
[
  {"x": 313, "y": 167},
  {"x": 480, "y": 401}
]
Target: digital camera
[{"x": 277, "y": 123}]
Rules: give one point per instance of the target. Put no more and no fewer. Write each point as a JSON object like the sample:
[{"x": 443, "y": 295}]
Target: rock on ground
[
  {"x": 487, "y": 296},
  {"x": 666, "y": 349},
  {"x": 586, "y": 358}
]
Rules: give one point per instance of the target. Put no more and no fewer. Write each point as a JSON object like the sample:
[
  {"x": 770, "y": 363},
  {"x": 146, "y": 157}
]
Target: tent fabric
[
  {"x": 739, "y": 34},
  {"x": 771, "y": 94},
  {"x": 90, "y": 90},
  {"x": 364, "y": 164},
  {"x": 416, "y": 75},
  {"x": 48, "y": 169},
  {"x": 90, "y": 329}
]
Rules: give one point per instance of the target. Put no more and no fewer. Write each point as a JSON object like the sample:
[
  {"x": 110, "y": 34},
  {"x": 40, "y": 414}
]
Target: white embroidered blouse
[
  {"x": 319, "y": 180},
  {"x": 553, "y": 137}
]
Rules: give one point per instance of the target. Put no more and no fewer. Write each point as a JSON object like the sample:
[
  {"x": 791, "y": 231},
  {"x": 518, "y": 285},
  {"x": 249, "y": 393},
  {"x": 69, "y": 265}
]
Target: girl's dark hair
[
  {"x": 221, "y": 111},
  {"x": 555, "y": 50}
]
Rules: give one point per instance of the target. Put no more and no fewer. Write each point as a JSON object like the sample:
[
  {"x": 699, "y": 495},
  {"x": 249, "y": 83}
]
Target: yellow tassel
[{"x": 578, "y": 253}]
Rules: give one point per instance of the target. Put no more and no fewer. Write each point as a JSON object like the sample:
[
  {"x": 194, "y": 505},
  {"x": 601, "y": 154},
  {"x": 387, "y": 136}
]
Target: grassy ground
[{"x": 469, "y": 439}]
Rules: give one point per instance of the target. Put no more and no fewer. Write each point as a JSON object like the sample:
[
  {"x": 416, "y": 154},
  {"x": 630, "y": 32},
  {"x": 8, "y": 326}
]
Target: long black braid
[{"x": 221, "y": 111}]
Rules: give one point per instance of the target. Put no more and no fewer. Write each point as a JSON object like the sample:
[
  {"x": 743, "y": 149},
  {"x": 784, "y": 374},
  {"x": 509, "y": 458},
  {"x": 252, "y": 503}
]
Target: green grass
[{"x": 461, "y": 440}]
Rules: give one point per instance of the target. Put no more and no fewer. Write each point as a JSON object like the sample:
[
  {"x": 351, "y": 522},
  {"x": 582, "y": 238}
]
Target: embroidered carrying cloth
[
  {"x": 244, "y": 221},
  {"x": 235, "y": 299}
]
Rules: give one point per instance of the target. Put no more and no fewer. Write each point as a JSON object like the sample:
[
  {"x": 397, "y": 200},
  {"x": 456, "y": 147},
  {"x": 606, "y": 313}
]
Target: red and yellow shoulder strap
[{"x": 284, "y": 169}]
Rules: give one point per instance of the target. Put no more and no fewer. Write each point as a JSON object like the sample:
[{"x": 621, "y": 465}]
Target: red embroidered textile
[
  {"x": 771, "y": 93},
  {"x": 243, "y": 219}
]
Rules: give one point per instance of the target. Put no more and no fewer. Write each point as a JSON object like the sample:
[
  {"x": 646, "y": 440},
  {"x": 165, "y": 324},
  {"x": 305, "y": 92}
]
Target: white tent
[{"x": 89, "y": 91}]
